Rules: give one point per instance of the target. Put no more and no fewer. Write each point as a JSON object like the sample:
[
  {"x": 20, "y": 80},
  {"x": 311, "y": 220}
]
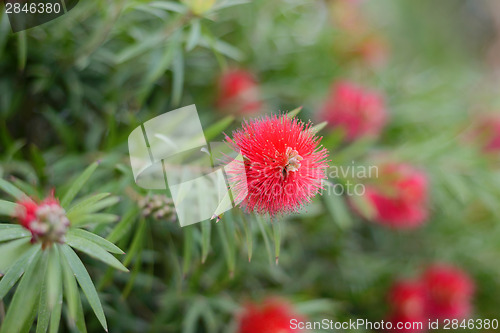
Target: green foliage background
[{"x": 72, "y": 90}]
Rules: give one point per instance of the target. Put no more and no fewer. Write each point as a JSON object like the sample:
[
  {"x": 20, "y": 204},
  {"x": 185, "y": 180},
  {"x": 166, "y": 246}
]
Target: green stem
[{"x": 277, "y": 238}]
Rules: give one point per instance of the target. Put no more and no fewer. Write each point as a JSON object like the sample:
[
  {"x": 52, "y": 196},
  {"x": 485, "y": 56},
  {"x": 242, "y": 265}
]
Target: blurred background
[{"x": 411, "y": 84}]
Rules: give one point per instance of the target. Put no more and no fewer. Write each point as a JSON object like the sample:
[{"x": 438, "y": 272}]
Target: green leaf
[
  {"x": 178, "y": 76},
  {"x": 136, "y": 243},
  {"x": 80, "y": 319},
  {"x": 216, "y": 129},
  {"x": 55, "y": 318},
  {"x": 54, "y": 280},
  {"x": 292, "y": 114},
  {"x": 22, "y": 50},
  {"x": 85, "y": 282},
  {"x": 337, "y": 208},
  {"x": 94, "y": 250},
  {"x": 221, "y": 47},
  {"x": 7, "y": 208},
  {"x": 188, "y": 249},
  {"x": 316, "y": 128},
  {"x": 15, "y": 232},
  {"x": 226, "y": 246},
  {"x": 86, "y": 219},
  {"x": 194, "y": 35},
  {"x": 123, "y": 226},
  {"x": 277, "y": 238},
  {"x": 43, "y": 320},
  {"x": 71, "y": 292},
  {"x": 262, "y": 228},
  {"x": 105, "y": 244},
  {"x": 77, "y": 185},
  {"x": 12, "y": 190},
  {"x": 25, "y": 187},
  {"x": 26, "y": 296},
  {"x": 16, "y": 270},
  {"x": 86, "y": 203},
  {"x": 169, "y": 6},
  {"x": 249, "y": 236},
  {"x": 12, "y": 251},
  {"x": 64, "y": 132},
  {"x": 228, "y": 3},
  {"x": 206, "y": 228}
]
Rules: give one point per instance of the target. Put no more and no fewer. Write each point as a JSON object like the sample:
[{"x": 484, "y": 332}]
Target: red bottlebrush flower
[
  {"x": 450, "y": 292},
  {"x": 273, "y": 316},
  {"x": 46, "y": 220},
  {"x": 399, "y": 199},
  {"x": 284, "y": 164},
  {"x": 238, "y": 93},
  {"x": 407, "y": 300},
  {"x": 357, "y": 111}
]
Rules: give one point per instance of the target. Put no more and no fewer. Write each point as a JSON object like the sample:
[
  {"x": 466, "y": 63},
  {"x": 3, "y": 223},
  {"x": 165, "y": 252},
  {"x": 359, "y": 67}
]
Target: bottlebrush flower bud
[
  {"x": 159, "y": 207},
  {"x": 357, "y": 111},
  {"x": 450, "y": 292},
  {"x": 272, "y": 316},
  {"x": 46, "y": 220},
  {"x": 238, "y": 93},
  {"x": 399, "y": 197},
  {"x": 283, "y": 166}
]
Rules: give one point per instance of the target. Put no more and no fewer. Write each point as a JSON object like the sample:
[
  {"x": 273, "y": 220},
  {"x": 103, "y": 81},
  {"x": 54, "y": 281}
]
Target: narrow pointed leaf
[
  {"x": 55, "y": 317},
  {"x": 216, "y": 129},
  {"x": 83, "y": 278},
  {"x": 54, "y": 280},
  {"x": 188, "y": 249},
  {"x": 94, "y": 250},
  {"x": 78, "y": 184},
  {"x": 123, "y": 226},
  {"x": 43, "y": 319},
  {"x": 104, "y": 243},
  {"x": 206, "y": 228},
  {"x": 12, "y": 190},
  {"x": 16, "y": 270},
  {"x": 71, "y": 292},
  {"x": 97, "y": 218},
  {"x": 248, "y": 235},
  {"x": 294, "y": 112},
  {"x": 7, "y": 208},
  {"x": 316, "y": 128},
  {"x": 26, "y": 297},
  {"x": 84, "y": 204},
  {"x": 277, "y": 239},
  {"x": 12, "y": 251},
  {"x": 13, "y": 233}
]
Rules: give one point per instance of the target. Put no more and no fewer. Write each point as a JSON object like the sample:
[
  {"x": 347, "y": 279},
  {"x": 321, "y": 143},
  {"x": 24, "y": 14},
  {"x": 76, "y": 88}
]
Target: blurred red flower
[
  {"x": 284, "y": 164},
  {"x": 46, "y": 220},
  {"x": 357, "y": 111},
  {"x": 272, "y": 316},
  {"x": 442, "y": 292},
  {"x": 238, "y": 92},
  {"x": 450, "y": 292},
  {"x": 407, "y": 300},
  {"x": 399, "y": 198}
]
